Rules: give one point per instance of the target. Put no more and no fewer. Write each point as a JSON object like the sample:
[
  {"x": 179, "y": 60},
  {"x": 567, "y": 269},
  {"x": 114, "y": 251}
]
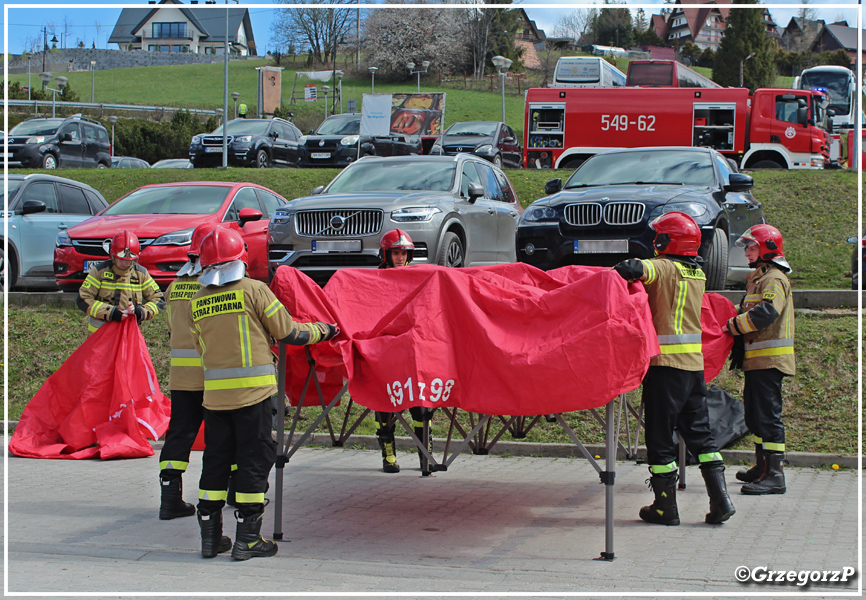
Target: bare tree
[
  {"x": 416, "y": 34},
  {"x": 67, "y": 25},
  {"x": 316, "y": 26},
  {"x": 806, "y": 13},
  {"x": 477, "y": 21},
  {"x": 98, "y": 26},
  {"x": 574, "y": 25}
]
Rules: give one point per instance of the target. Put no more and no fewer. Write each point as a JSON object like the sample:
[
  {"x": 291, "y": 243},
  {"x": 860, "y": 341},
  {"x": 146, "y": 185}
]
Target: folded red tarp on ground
[
  {"x": 104, "y": 401},
  {"x": 505, "y": 340}
]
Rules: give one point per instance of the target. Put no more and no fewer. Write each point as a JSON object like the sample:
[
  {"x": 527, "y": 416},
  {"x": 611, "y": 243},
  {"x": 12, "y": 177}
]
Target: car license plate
[
  {"x": 88, "y": 264},
  {"x": 214, "y": 149},
  {"x": 600, "y": 246},
  {"x": 320, "y": 155},
  {"x": 326, "y": 246}
]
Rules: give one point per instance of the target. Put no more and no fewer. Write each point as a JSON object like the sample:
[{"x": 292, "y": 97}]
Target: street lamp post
[
  {"x": 219, "y": 113},
  {"x": 503, "y": 64},
  {"x": 112, "y": 119},
  {"x": 235, "y": 97},
  {"x": 340, "y": 90},
  {"x": 92, "y": 81},
  {"x": 741, "y": 67},
  {"x": 325, "y": 90},
  {"x": 61, "y": 83},
  {"x": 411, "y": 66},
  {"x": 373, "y": 80}
]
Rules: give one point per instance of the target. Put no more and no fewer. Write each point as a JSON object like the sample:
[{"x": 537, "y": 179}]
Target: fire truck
[{"x": 773, "y": 128}]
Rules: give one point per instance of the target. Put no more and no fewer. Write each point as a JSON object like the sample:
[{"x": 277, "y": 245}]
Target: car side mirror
[
  {"x": 476, "y": 191},
  {"x": 33, "y": 206},
  {"x": 66, "y": 137},
  {"x": 274, "y": 134},
  {"x": 317, "y": 190},
  {"x": 803, "y": 116},
  {"x": 508, "y": 140},
  {"x": 552, "y": 186},
  {"x": 738, "y": 182},
  {"x": 831, "y": 113},
  {"x": 249, "y": 214}
]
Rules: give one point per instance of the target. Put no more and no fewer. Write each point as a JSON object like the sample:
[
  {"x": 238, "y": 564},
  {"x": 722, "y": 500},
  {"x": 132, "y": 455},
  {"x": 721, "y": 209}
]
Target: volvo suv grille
[{"x": 338, "y": 223}]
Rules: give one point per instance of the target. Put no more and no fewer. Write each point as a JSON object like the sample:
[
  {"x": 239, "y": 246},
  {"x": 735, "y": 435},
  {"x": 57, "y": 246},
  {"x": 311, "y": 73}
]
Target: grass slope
[
  {"x": 820, "y": 402},
  {"x": 815, "y": 210}
]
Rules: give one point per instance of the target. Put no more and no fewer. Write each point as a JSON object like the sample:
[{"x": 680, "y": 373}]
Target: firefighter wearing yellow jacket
[
  {"x": 674, "y": 391},
  {"x": 186, "y": 382},
  {"x": 119, "y": 287},
  {"x": 232, "y": 319},
  {"x": 766, "y": 324}
]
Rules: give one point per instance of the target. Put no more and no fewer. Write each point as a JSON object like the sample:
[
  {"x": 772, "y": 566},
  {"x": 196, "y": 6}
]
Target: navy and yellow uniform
[{"x": 108, "y": 290}]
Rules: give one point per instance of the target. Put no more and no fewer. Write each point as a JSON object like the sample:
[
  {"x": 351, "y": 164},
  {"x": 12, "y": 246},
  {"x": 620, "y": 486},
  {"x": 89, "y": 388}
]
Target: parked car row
[{"x": 460, "y": 210}]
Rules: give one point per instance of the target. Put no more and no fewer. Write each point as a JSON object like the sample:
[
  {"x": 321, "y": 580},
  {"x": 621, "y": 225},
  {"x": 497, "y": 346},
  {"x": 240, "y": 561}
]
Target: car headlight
[
  {"x": 697, "y": 210},
  {"x": 539, "y": 213},
  {"x": 36, "y": 139},
  {"x": 196, "y": 139},
  {"x": 302, "y": 140},
  {"x": 349, "y": 140},
  {"x": 281, "y": 216},
  {"x": 63, "y": 240},
  {"x": 484, "y": 149},
  {"x": 436, "y": 149},
  {"x": 244, "y": 139},
  {"x": 414, "y": 214},
  {"x": 175, "y": 238}
]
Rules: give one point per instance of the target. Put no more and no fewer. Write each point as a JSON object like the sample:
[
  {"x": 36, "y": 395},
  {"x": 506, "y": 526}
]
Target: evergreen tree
[
  {"x": 744, "y": 35},
  {"x": 613, "y": 26},
  {"x": 640, "y": 22}
]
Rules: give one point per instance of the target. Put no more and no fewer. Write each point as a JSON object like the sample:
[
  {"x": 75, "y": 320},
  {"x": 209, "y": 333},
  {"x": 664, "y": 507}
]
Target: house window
[{"x": 169, "y": 30}]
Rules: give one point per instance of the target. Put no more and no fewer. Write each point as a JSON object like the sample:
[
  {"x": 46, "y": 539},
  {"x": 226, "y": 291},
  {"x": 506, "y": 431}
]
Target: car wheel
[
  {"x": 49, "y": 161},
  {"x": 8, "y": 271},
  {"x": 450, "y": 251},
  {"x": 766, "y": 164},
  {"x": 716, "y": 261},
  {"x": 497, "y": 161},
  {"x": 262, "y": 160},
  {"x": 573, "y": 163},
  {"x": 101, "y": 166}
]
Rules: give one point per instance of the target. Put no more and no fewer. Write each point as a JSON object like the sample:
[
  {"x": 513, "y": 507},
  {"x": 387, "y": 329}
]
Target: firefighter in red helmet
[
  {"x": 765, "y": 327},
  {"x": 674, "y": 391},
  {"x": 397, "y": 250},
  {"x": 186, "y": 382},
  {"x": 233, "y": 319},
  {"x": 119, "y": 287}
]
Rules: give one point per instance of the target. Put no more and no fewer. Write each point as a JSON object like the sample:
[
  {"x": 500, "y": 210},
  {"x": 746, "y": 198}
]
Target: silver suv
[{"x": 459, "y": 210}]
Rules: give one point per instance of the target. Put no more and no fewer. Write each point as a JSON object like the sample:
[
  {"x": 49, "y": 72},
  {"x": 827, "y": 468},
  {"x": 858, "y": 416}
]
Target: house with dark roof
[
  {"x": 702, "y": 26},
  {"x": 800, "y": 33},
  {"x": 837, "y": 36},
  {"x": 172, "y": 26}
]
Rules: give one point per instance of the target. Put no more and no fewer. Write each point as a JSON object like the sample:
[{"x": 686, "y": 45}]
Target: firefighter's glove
[
  {"x": 738, "y": 353},
  {"x": 115, "y": 315},
  {"x": 630, "y": 269},
  {"x": 328, "y": 330},
  {"x": 139, "y": 313}
]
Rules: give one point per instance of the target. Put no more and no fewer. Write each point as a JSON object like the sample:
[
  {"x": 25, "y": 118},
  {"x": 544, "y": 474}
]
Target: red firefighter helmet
[
  {"x": 396, "y": 239},
  {"x": 222, "y": 245},
  {"x": 676, "y": 233},
  {"x": 125, "y": 245},
  {"x": 198, "y": 235},
  {"x": 769, "y": 241}
]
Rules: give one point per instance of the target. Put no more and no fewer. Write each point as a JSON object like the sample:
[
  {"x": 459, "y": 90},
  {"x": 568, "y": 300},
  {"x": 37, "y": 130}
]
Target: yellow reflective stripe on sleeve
[
  {"x": 668, "y": 468},
  {"x": 774, "y": 447},
  {"x": 250, "y": 498},
  {"x": 240, "y": 382},
  {"x": 212, "y": 494},
  {"x": 709, "y": 457},
  {"x": 185, "y": 362},
  {"x": 153, "y": 308},
  {"x": 681, "y": 348},
  {"x": 649, "y": 271},
  {"x": 94, "y": 308},
  {"x": 744, "y": 323},
  {"x": 758, "y": 440},
  {"x": 92, "y": 280},
  {"x": 770, "y": 352},
  {"x": 272, "y": 308},
  {"x": 177, "y": 465},
  {"x": 315, "y": 334}
]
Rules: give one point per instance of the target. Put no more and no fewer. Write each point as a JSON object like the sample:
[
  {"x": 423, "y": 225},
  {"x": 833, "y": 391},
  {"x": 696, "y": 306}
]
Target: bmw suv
[
  {"x": 76, "y": 141},
  {"x": 257, "y": 143}
]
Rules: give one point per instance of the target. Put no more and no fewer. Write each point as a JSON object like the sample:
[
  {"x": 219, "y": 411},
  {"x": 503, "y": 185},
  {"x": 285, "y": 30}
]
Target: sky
[{"x": 25, "y": 24}]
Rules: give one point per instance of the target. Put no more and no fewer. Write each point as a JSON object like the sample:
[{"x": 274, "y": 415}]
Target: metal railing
[{"x": 102, "y": 106}]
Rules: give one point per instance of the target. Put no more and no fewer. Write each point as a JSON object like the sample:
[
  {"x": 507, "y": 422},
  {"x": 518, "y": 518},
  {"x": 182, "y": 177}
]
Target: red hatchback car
[{"x": 163, "y": 217}]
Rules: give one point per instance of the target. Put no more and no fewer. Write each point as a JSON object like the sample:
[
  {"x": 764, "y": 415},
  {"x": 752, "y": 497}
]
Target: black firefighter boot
[
  {"x": 750, "y": 475},
  {"x": 248, "y": 540},
  {"x": 171, "y": 504},
  {"x": 721, "y": 507},
  {"x": 213, "y": 541},
  {"x": 664, "y": 509},
  {"x": 772, "y": 480},
  {"x": 385, "y": 435}
]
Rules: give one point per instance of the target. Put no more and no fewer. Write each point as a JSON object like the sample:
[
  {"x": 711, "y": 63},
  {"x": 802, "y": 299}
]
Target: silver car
[{"x": 459, "y": 210}]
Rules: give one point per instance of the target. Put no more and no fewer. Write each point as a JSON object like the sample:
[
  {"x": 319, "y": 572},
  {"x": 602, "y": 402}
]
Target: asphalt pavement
[{"x": 497, "y": 525}]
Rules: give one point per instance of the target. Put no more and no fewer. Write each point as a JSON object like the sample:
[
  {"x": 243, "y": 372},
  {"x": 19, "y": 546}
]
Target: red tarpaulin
[
  {"x": 104, "y": 401},
  {"x": 507, "y": 340}
]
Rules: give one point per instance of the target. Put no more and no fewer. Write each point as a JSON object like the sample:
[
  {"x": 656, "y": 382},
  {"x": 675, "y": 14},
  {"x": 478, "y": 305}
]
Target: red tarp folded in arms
[
  {"x": 103, "y": 401},
  {"x": 502, "y": 340}
]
